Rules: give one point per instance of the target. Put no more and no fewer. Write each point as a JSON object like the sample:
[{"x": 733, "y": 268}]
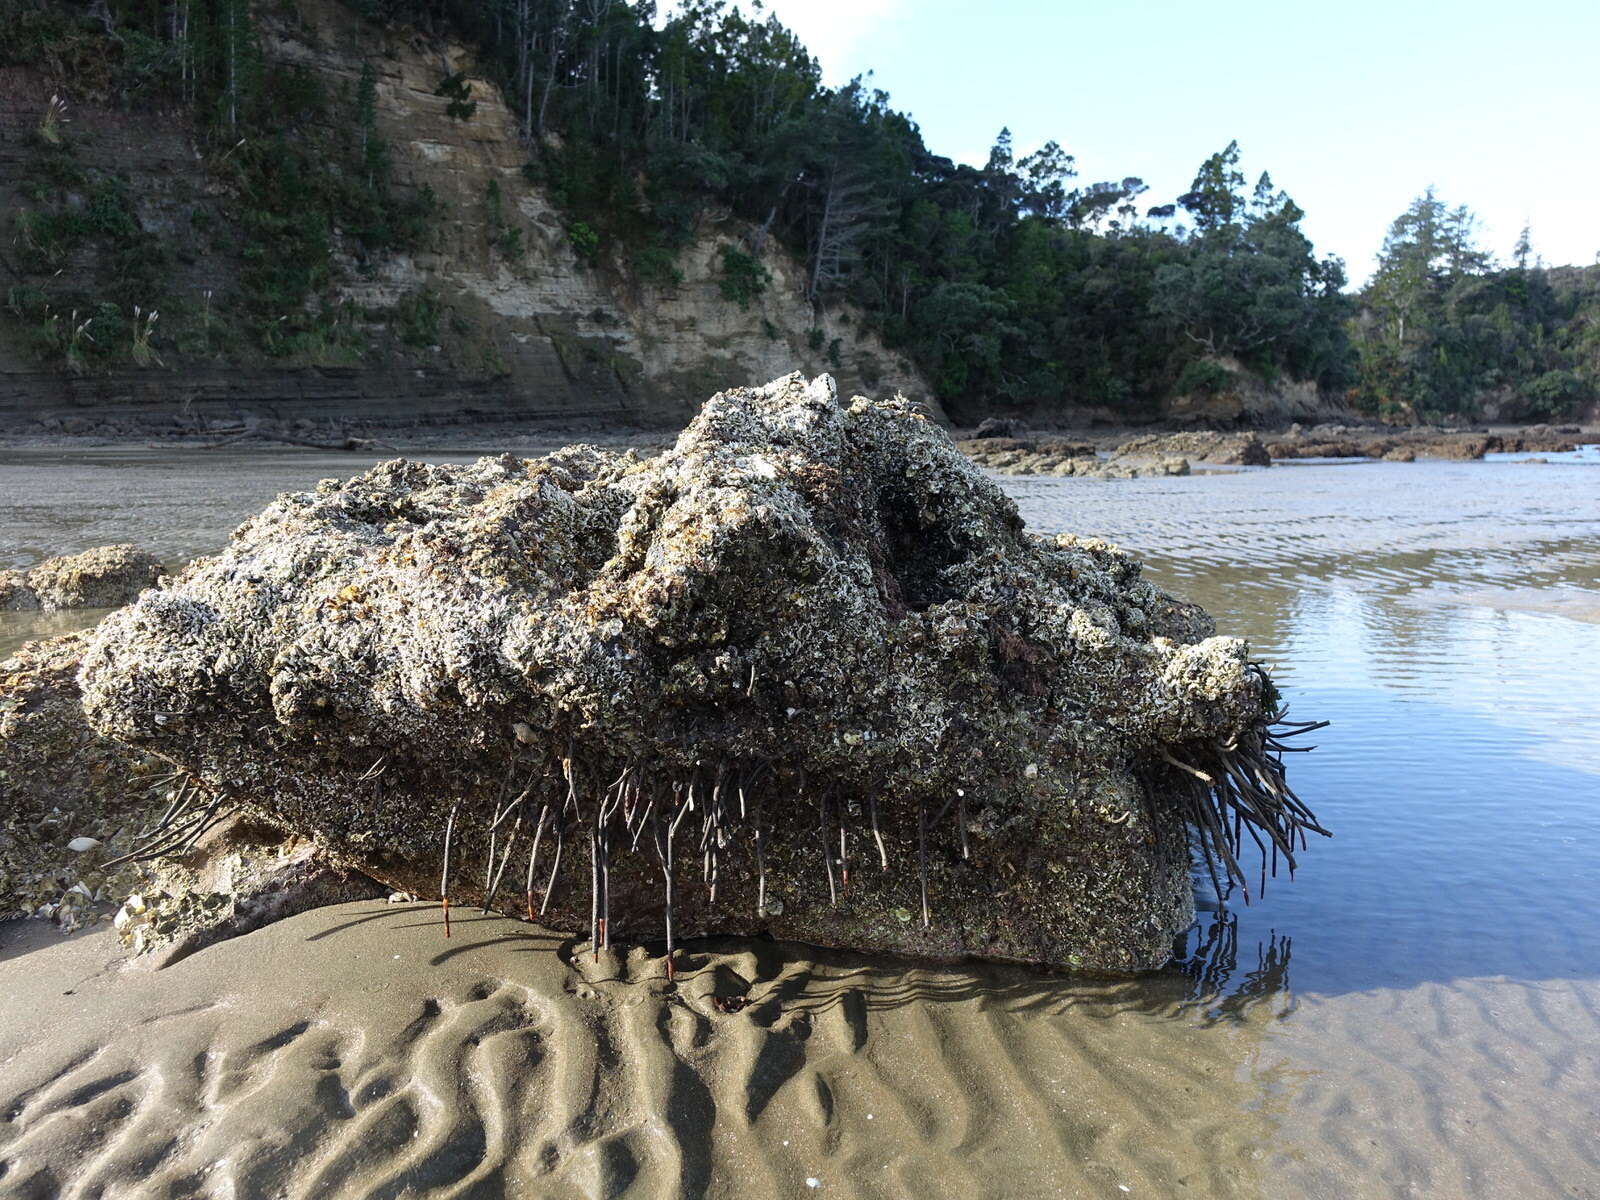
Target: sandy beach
[{"x": 353, "y": 1051}]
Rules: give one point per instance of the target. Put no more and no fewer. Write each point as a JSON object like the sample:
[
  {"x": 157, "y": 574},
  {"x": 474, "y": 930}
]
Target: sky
[{"x": 1354, "y": 107}]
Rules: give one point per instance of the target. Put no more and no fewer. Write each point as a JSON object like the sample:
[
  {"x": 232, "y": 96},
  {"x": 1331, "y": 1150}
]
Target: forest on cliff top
[{"x": 1015, "y": 286}]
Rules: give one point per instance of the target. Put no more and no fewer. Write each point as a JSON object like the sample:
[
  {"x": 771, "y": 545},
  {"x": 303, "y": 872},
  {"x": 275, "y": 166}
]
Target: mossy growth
[{"x": 742, "y": 278}]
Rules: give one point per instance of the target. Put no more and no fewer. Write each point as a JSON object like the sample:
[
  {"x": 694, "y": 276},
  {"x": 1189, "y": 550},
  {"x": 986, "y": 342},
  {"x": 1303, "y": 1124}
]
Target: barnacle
[{"x": 803, "y": 672}]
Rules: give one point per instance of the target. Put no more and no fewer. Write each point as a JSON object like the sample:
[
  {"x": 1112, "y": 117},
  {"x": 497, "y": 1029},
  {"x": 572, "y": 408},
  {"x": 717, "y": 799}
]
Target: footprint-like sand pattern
[{"x": 354, "y": 1052}]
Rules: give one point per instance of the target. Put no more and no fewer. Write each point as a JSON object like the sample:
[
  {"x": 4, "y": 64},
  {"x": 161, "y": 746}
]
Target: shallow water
[
  {"x": 1462, "y": 772},
  {"x": 1416, "y": 1013}
]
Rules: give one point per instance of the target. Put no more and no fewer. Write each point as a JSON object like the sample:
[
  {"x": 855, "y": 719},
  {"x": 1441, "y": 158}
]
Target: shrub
[
  {"x": 458, "y": 91},
  {"x": 1554, "y": 391},
  {"x": 656, "y": 265},
  {"x": 585, "y": 242},
  {"x": 417, "y": 317},
  {"x": 1205, "y": 376},
  {"x": 144, "y": 327},
  {"x": 49, "y": 130},
  {"x": 743, "y": 276}
]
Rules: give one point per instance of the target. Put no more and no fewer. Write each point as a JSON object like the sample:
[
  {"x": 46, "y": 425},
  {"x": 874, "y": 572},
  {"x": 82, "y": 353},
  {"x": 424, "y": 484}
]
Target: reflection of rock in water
[{"x": 1212, "y": 965}]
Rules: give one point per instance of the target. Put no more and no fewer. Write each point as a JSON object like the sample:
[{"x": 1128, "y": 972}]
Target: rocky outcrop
[
  {"x": 1407, "y": 445},
  {"x": 1248, "y": 399},
  {"x": 70, "y": 800},
  {"x": 1228, "y": 449},
  {"x": 239, "y": 877},
  {"x": 1062, "y": 458},
  {"x": 805, "y": 672},
  {"x": 73, "y": 810},
  {"x": 105, "y": 577},
  {"x": 1007, "y": 428}
]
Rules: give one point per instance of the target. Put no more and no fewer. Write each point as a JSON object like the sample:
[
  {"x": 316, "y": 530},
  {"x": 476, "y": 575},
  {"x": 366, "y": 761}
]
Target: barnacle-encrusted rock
[
  {"x": 61, "y": 783},
  {"x": 104, "y": 577},
  {"x": 718, "y": 679},
  {"x": 242, "y": 875}
]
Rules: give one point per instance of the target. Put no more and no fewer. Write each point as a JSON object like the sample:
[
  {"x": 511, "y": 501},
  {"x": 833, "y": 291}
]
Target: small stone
[
  {"x": 80, "y": 844},
  {"x": 128, "y": 917},
  {"x": 1031, "y": 771}
]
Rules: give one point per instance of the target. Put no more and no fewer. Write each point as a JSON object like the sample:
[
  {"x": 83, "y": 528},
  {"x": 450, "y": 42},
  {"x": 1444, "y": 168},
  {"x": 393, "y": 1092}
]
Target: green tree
[
  {"x": 1250, "y": 285},
  {"x": 1441, "y": 330}
]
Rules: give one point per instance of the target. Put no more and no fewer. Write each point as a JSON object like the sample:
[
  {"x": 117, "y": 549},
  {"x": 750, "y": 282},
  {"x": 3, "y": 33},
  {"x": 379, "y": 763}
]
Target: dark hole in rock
[{"x": 918, "y": 557}]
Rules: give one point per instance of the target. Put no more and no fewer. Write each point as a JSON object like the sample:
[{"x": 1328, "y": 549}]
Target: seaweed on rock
[{"x": 806, "y": 672}]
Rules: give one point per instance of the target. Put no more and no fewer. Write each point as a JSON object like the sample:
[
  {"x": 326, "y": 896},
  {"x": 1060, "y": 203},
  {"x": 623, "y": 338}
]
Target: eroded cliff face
[
  {"x": 1246, "y": 400},
  {"x": 524, "y": 326}
]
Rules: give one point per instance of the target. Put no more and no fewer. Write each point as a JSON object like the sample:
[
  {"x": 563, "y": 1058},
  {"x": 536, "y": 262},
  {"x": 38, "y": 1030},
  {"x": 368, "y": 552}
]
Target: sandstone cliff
[{"x": 516, "y": 323}]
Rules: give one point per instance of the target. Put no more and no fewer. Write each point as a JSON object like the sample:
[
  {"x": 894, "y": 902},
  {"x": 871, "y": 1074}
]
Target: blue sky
[{"x": 1353, "y": 106}]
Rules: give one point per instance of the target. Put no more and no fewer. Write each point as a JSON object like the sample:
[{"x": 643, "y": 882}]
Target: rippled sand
[
  {"x": 354, "y": 1052},
  {"x": 1417, "y": 1014}
]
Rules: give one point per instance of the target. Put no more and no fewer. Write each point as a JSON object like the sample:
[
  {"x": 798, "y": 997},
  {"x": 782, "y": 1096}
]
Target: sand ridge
[{"x": 352, "y": 1051}]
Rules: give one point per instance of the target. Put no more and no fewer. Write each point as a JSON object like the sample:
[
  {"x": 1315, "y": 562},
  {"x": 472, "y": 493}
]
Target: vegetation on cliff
[
  {"x": 1013, "y": 286},
  {"x": 295, "y": 194},
  {"x": 1010, "y": 285}
]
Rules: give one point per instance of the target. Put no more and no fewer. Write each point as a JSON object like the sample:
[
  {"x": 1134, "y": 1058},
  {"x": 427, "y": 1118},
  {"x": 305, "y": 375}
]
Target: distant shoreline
[{"x": 498, "y": 436}]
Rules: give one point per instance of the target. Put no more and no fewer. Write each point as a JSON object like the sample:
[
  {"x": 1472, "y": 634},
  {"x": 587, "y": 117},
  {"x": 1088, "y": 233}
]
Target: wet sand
[
  {"x": 1577, "y": 604},
  {"x": 354, "y": 1052}
]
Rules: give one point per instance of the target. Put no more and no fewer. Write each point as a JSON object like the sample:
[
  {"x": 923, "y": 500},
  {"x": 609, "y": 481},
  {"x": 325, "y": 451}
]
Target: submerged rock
[
  {"x": 105, "y": 577},
  {"x": 805, "y": 672}
]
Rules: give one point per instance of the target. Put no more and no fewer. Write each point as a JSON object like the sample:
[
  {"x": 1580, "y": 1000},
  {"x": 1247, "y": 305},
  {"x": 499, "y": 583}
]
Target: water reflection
[
  {"x": 1209, "y": 958},
  {"x": 19, "y": 627},
  {"x": 1459, "y": 777}
]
